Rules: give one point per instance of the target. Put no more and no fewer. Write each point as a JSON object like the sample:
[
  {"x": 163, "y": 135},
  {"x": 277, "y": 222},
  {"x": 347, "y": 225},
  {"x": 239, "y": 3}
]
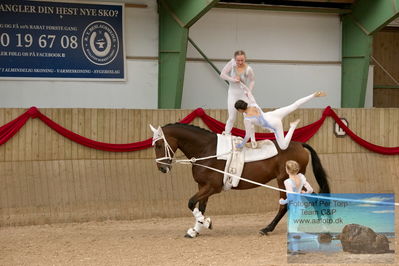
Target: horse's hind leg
[
  {"x": 281, "y": 211},
  {"x": 200, "y": 221}
]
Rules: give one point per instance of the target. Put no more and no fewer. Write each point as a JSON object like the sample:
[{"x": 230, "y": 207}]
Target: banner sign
[
  {"x": 358, "y": 223},
  {"x": 41, "y": 39}
]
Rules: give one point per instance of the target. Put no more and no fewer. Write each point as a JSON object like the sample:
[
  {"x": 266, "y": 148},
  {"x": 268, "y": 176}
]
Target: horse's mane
[{"x": 196, "y": 128}]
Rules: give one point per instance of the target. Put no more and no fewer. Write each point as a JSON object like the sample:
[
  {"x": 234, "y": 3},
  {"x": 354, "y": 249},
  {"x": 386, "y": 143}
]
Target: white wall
[
  {"x": 276, "y": 85},
  {"x": 267, "y": 35},
  {"x": 368, "y": 103},
  {"x": 139, "y": 91}
]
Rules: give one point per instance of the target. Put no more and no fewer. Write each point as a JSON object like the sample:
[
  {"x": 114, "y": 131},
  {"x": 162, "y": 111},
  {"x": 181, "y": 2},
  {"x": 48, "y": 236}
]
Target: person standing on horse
[
  {"x": 240, "y": 77},
  {"x": 272, "y": 121}
]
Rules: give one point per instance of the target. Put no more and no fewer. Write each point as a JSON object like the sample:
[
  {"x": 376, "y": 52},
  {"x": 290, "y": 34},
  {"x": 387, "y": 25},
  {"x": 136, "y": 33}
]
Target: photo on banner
[
  {"x": 334, "y": 228},
  {"x": 62, "y": 40}
]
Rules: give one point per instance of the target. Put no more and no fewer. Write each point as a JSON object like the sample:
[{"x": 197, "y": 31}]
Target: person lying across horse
[{"x": 272, "y": 121}]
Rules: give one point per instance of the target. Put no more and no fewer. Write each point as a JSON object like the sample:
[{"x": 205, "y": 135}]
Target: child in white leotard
[
  {"x": 296, "y": 181},
  {"x": 253, "y": 115},
  {"x": 238, "y": 74}
]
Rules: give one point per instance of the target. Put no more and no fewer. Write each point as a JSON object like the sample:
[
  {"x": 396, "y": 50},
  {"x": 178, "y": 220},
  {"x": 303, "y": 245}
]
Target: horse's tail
[{"x": 318, "y": 170}]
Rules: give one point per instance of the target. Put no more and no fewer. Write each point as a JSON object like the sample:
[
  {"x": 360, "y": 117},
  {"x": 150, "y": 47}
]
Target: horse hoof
[
  {"x": 210, "y": 226},
  {"x": 207, "y": 223},
  {"x": 190, "y": 236},
  {"x": 191, "y": 233},
  {"x": 264, "y": 231}
]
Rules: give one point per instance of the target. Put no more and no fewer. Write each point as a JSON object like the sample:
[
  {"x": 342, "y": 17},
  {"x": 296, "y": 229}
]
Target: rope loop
[{"x": 193, "y": 162}]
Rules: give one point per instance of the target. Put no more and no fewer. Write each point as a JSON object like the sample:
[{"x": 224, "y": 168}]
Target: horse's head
[{"x": 164, "y": 152}]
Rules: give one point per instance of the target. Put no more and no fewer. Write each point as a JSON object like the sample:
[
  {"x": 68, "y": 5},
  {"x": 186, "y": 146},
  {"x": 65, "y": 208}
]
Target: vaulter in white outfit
[
  {"x": 253, "y": 115},
  {"x": 291, "y": 186},
  {"x": 294, "y": 183},
  {"x": 239, "y": 75}
]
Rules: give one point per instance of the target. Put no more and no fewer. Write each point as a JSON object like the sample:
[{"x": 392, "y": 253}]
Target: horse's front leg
[
  {"x": 202, "y": 207},
  {"x": 200, "y": 221},
  {"x": 281, "y": 211}
]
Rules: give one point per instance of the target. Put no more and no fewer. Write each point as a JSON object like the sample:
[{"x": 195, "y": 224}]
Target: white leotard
[
  {"x": 236, "y": 89},
  {"x": 272, "y": 121},
  {"x": 291, "y": 186}
]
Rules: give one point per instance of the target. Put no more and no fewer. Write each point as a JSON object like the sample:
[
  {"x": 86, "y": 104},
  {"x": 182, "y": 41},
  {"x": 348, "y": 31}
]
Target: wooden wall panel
[
  {"x": 46, "y": 178},
  {"x": 386, "y": 98},
  {"x": 386, "y": 51}
]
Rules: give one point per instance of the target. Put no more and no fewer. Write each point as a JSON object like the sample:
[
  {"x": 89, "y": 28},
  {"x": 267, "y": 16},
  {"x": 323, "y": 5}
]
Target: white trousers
[
  {"x": 234, "y": 94},
  {"x": 275, "y": 120}
]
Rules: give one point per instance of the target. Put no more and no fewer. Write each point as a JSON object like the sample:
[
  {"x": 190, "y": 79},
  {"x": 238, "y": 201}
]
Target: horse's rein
[
  {"x": 192, "y": 161},
  {"x": 169, "y": 153},
  {"x": 189, "y": 161}
]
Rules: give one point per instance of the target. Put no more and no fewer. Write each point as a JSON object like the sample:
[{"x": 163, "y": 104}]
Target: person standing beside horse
[
  {"x": 295, "y": 181},
  {"x": 241, "y": 77}
]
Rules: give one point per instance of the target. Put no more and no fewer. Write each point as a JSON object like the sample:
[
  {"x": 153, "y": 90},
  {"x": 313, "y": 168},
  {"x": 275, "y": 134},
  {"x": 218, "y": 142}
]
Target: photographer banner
[{"x": 340, "y": 225}]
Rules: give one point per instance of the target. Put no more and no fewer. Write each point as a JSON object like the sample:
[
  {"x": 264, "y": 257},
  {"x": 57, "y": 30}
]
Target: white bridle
[
  {"x": 169, "y": 153},
  {"x": 158, "y": 135}
]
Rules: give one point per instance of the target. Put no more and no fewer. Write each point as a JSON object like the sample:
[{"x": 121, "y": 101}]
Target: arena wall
[
  {"x": 293, "y": 54},
  {"x": 46, "y": 178}
]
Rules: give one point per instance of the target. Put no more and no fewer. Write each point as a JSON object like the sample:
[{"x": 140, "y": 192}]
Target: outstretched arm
[
  {"x": 226, "y": 71},
  {"x": 253, "y": 139},
  {"x": 288, "y": 187},
  {"x": 249, "y": 94},
  {"x": 249, "y": 131},
  {"x": 251, "y": 78},
  {"x": 308, "y": 187}
]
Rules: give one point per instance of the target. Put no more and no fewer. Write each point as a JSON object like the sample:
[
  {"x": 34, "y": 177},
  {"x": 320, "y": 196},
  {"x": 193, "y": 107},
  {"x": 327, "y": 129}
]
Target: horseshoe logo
[{"x": 100, "y": 43}]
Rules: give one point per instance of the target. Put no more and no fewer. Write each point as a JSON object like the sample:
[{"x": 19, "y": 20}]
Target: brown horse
[{"x": 196, "y": 142}]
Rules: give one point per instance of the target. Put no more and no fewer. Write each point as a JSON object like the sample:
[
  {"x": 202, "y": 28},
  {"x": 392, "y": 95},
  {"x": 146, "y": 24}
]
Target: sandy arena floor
[{"x": 234, "y": 240}]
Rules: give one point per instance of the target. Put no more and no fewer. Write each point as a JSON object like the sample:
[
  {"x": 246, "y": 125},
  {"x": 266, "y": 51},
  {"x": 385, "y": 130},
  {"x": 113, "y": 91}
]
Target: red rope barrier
[{"x": 302, "y": 134}]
